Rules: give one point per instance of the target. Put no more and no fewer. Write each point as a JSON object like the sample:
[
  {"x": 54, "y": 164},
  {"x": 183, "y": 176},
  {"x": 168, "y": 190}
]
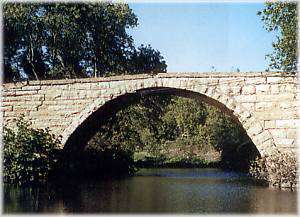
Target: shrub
[
  {"x": 28, "y": 154},
  {"x": 92, "y": 163},
  {"x": 278, "y": 169}
]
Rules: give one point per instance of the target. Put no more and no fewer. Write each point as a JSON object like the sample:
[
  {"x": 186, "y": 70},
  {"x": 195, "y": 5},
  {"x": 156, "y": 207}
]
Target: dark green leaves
[
  {"x": 282, "y": 18},
  {"x": 63, "y": 40},
  {"x": 173, "y": 128},
  {"x": 28, "y": 154}
]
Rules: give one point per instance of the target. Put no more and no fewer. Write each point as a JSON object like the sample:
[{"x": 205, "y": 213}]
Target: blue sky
[{"x": 193, "y": 37}]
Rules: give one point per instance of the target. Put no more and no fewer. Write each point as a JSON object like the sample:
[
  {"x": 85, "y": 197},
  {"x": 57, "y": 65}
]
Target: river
[{"x": 155, "y": 191}]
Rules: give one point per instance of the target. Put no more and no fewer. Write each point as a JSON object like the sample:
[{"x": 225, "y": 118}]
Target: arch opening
[{"x": 78, "y": 140}]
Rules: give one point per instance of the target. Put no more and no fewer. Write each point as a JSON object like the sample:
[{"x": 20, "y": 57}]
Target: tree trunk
[
  {"x": 31, "y": 58},
  {"x": 95, "y": 67}
]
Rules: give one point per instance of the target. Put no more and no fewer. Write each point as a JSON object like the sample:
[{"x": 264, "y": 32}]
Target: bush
[
  {"x": 28, "y": 154},
  {"x": 95, "y": 164},
  {"x": 277, "y": 170}
]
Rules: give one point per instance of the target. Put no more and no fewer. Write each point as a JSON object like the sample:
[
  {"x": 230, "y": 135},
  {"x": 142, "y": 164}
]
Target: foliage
[
  {"x": 146, "y": 59},
  {"x": 279, "y": 169},
  {"x": 281, "y": 17},
  {"x": 95, "y": 163},
  {"x": 68, "y": 40},
  {"x": 28, "y": 154},
  {"x": 171, "y": 128}
]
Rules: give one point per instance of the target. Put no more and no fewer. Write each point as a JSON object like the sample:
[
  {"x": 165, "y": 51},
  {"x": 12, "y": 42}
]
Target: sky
[{"x": 202, "y": 37}]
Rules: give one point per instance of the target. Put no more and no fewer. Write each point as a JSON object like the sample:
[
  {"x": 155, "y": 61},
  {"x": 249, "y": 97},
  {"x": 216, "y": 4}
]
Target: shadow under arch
[{"x": 89, "y": 127}]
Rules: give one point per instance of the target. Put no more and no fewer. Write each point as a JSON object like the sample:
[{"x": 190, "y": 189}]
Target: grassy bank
[{"x": 167, "y": 160}]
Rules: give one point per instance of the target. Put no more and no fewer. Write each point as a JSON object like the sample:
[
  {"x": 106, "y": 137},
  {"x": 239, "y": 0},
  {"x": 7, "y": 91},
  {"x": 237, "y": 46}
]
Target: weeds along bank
[{"x": 278, "y": 170}]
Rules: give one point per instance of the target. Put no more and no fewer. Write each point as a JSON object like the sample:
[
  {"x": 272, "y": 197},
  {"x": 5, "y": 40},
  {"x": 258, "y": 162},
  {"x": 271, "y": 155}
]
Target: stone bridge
[{"x": 265, "y": 103}]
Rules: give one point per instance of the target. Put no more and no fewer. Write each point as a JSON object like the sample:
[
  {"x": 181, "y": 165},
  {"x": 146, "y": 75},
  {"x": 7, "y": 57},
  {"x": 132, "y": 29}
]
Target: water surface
[{"x": 155, "y": 191}]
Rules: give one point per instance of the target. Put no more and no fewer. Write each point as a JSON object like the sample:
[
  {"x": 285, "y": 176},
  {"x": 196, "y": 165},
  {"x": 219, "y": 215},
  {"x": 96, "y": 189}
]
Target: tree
[
  {"x": 175, "y": 128},
  {"x": 29, "y": 155},
  {"x": 281, "y": 17},
  {"x": 148, "y": 60},
  {"x": 22, "y": 44},
  {"x": 63, "y": 40}
]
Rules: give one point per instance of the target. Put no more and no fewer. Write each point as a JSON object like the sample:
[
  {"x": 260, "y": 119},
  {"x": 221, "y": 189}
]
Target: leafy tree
[
  {"x": 28, "y": 154},
  {"x": 22, "y": 44},
  {"x": 146, "y": 59},
  {"x": 62, "y": 40},
  {"x": 281, "y": 17},
  {"x": 175, "y": 129}
]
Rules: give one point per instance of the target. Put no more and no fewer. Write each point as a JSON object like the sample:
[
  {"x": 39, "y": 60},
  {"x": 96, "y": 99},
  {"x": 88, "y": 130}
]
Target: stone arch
[{"x": 261, "y": 137}]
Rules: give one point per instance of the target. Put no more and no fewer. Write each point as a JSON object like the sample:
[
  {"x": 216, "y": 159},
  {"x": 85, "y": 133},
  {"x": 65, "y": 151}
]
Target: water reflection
[{"x": 155, "y": 191}]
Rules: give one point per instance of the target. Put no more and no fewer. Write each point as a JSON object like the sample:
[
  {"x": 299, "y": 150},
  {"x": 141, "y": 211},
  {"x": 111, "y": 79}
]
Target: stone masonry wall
[{"x": 265, "y": 103}]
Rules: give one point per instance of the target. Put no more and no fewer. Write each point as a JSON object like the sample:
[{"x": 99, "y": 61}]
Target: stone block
[
  {"x": 282, "y": 142},
  {"x": 216, "y": 95},
  {"x": 278, "y": 133},
  {"x": 8, "y": 93},
  {"x": 261, "y": 106},
  {"x": 58, "y": 114},
  {"x": 150, "y": 83},
  {"x": 6, "y": 108},
  {"x": 117, "y": 84},
  {"x": 224, "y": 100},
  {"x": 262, "y": 88},
  {"x": 31, "y": 87},
  {"x": 25, "y": 92},
  {"x": 248, "y": 122},
  {"x": 79, "y": 95},
  {"x": 201, "y": 88},
  {"x": 231, "y": 104},
  {"x": 246, "y": 98},
  {"x": 245, "y": 114},
  {"x": 268, "y": 144},
  {"x": 165, "y": 82},
  {"x": 9, "y": 99},
  {"x": 14, "y": 86},
  {"x": 285, "y": 104},
  {"x": 15, "y": 113},
  {"x": 231, "y": 80},
  {"x": 79, "y": 86},
  {"x": 183, "y": 83},
  {"x": 25, "y": 107},
  {"x": 103, "y": 85},
  {"x": 272, "y": 80},
  {"x": 8, "y": 103},
  {"x": 248, "y": 89},
  {"x": 53, "y": 94},
  {"x": 291, "y": 133},
  {"x": 279, "y": 97},
  {"x": 224, "y": 89},
  {"x": 254, "y": 130},
  {"x": 210, "y": 91},
  {"x": 235, "y": 90},
  {"x": 270, "y": 149},
  {"x": 261, "y": 137},
  {"x": 290, "y": 88},
  {"x": 274, "y": 89},
  {"x": 70, "y": 107},
  {"x": 255, "y": 80},
  {"x": 248, "y": 105},
  {"x": 289, "y": 123},
  {"x": 269, "y": 124},
  {"x": 275, "y": 114}
]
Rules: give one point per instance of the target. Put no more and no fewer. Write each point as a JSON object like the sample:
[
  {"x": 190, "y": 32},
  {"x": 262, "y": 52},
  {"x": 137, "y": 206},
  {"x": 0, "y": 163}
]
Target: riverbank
[{"x": 181, "y": 163}]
